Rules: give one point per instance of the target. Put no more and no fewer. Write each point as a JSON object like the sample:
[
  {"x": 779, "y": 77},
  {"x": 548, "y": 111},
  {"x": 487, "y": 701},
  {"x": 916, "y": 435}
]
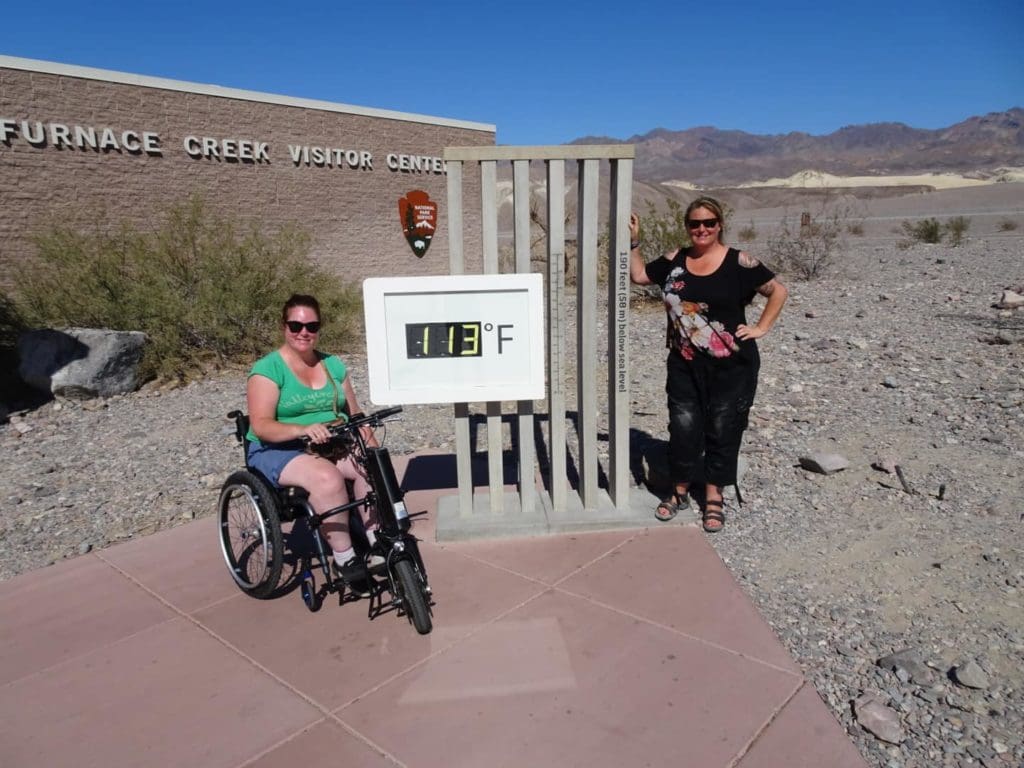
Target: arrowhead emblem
[{"x": 418, "y": 214}]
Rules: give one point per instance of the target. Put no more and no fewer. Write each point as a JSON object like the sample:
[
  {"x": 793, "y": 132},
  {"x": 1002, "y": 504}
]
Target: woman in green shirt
[{"x": 292, "y": 394}]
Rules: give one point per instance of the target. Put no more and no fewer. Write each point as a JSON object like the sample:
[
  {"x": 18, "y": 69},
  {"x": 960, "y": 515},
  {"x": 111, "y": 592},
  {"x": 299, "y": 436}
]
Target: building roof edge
[{"x": 145, "y": 81}]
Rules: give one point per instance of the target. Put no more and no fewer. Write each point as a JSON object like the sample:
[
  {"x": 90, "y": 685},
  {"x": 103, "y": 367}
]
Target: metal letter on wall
[{"x": 575, "y": 490}]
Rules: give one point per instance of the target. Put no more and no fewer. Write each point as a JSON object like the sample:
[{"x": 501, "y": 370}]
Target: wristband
[{"x": 634, "y": 245}]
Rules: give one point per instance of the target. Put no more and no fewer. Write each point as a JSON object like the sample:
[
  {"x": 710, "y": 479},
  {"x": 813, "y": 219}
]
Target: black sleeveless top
[{"x": 704, "y": 310}]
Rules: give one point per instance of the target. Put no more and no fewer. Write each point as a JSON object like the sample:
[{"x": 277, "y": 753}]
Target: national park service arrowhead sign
[{"x": 418, "y": 214}]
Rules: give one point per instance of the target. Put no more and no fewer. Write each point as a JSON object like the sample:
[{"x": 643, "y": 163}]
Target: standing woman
[
  {"x": 292, "y": 394},
  {"x": 713, "y": 359}
]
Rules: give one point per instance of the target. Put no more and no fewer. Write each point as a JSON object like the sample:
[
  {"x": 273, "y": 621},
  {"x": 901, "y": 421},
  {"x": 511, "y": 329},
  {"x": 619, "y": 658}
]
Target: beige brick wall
[{"x": 352, "y": 214}]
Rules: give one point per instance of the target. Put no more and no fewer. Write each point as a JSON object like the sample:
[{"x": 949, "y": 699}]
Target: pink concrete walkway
[{"x": 618, "y": 649}]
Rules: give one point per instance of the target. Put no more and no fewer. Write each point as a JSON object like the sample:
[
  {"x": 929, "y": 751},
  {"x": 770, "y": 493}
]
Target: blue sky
[{"x": 550, "y": 72}]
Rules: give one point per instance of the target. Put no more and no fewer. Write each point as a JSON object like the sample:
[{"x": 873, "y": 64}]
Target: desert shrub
[
  {"x": 955, "y": 229},
  {"x": 11, "y": 322},
  {"x": 931, "y": 230},
  {"x": 664, "y": 232},
  {"x": 10, "y": 382},
  {"x": 206, "y": 289},
  {"x": 855, "y": 228},
  {"x": 923, "y": 231},
  {"x": 747, "y": 234},
  {"x": 1007, "y": 225},
  {"x": 807, "y": 250}
]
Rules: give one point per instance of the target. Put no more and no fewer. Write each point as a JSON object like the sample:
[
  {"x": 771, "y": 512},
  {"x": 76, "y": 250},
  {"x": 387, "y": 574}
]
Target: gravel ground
[{"x": 896, "y": 357}]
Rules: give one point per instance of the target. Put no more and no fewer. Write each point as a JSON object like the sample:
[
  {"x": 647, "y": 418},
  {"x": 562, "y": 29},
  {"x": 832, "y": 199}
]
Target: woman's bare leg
[
  {"x": 326, "y": 488},
  {"x": 350, "y": 470}
]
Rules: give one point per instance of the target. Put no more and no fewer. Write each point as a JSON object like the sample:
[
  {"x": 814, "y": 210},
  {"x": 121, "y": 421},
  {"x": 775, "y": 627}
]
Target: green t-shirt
[{"x": 299, "y": 404}]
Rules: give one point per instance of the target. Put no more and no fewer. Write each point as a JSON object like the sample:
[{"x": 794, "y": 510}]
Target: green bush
[
  {"x": 923, "y": 231},
  {"x": 206, "y": 289},
  {"x": 1007, "y": 225},
  {"x": 855, "y": 228},
  {"x": 955, "y": 229}
]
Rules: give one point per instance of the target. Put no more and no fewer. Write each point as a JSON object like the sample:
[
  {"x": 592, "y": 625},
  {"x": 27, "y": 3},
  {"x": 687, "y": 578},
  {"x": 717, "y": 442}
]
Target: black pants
[{"x": 708, "y": 406}]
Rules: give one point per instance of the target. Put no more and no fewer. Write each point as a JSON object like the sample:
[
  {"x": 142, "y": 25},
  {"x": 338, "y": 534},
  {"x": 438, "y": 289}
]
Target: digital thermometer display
[
  {"x": 454, "y": 338},
  {"x": 443, "y": 340}
]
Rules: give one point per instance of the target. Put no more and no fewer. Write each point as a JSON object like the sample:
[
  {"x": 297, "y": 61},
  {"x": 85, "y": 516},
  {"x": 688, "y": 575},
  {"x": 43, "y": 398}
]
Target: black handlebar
[{"x": 359, "y": 420}]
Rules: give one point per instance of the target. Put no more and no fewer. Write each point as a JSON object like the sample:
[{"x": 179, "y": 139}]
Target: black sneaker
[{"x": 353, "y": 573}]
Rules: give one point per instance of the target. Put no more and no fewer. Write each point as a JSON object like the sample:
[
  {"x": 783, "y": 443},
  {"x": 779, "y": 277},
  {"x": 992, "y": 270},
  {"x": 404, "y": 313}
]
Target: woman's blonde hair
[{"x": 712, "y": 205}]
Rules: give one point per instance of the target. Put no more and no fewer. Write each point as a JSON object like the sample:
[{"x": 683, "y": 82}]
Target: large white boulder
[
  {"x": 81, "y": 362},
  {"x": 1010, "y": 300}
]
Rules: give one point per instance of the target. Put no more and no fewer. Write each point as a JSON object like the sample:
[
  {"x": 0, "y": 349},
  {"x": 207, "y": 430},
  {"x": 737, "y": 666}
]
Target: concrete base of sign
[{"x": 543, "y": 519}]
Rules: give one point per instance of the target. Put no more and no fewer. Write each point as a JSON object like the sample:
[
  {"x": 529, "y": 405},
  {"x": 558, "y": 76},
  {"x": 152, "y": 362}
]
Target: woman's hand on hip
[{"x": 748, "y": 332}]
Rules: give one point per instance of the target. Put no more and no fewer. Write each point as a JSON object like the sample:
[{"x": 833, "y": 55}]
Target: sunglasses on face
[
  {"x": 706, "y": 223},
  {"x": 295, "y": 326}
]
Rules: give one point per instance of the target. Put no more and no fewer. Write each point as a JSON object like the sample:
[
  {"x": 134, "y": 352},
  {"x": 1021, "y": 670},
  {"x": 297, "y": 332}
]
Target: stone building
[{"x": 84, "y": 146}]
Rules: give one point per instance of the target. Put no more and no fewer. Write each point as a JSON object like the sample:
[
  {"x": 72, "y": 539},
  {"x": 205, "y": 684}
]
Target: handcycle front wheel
[
  {"x": 249, "y": 518},
  {"x": 413, "y": 596}
]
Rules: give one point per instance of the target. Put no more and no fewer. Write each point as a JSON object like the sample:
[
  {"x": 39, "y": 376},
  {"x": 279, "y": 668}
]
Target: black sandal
[
  {"x": 713, "y": 518},
  {"x": 670, "y": 507}
]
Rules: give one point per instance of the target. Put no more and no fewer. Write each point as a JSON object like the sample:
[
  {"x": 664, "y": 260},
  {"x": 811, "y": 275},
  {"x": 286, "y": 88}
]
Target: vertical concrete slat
[
  {"x": 457, "y": 266},
  {"x": 524, "y": 408},
  {"x": 558, "y": 480},
  {"x": 489, "y": 214},
  {"x": 495, "y": 458},
  {"x": 456, "y": 259},
  {"x": 521, "y": 210},
  {"x": 586, "y": 329},
  {"x": 618, "y": 323},
  {"x": 489, "y": 231},
  {"x": 464, "y": 459}
]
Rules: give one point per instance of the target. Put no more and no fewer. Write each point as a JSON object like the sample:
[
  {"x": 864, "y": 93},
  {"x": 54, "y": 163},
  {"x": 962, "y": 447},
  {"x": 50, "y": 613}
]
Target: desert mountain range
[{"x": 710, "y": 157}]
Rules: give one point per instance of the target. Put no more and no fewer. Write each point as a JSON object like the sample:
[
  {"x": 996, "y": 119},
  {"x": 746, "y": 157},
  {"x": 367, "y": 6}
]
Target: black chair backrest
[{"x": 241, "y": 430}]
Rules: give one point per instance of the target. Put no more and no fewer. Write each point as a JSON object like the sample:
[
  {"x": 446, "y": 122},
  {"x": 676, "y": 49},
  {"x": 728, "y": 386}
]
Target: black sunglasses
[
  {"x": 706, "y": 223},
  {"x": 295, "y": 326}
]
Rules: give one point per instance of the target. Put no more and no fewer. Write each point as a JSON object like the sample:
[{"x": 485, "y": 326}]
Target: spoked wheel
[
  {"x": 413, "y": 596},
  {"x": 250, "y": 533}
]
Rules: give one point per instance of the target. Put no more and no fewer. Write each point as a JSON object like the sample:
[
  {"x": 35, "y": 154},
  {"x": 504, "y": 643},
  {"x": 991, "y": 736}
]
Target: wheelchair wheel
[
  {"x": 414, "y": 600},
  {"x": 308, "y": 590},
  {"x": 250, "y": 533}
]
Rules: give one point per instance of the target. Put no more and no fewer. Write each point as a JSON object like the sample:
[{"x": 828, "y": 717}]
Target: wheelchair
[{"x": 251, "y": 510}]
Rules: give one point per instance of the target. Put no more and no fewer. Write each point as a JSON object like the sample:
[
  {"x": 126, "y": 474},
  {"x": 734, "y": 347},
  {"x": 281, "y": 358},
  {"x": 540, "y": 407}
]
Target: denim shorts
[{"x": 270, "y": 459}]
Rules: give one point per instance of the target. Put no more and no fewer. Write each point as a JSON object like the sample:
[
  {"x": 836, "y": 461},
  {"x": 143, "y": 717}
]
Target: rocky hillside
[{"x": 714, "y": 158}]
